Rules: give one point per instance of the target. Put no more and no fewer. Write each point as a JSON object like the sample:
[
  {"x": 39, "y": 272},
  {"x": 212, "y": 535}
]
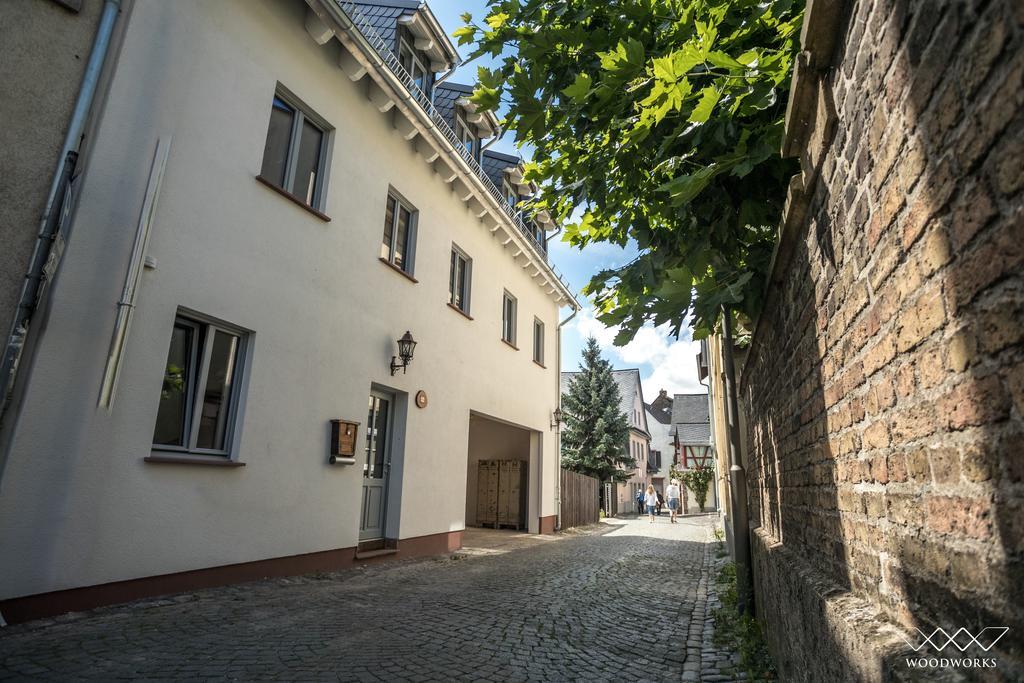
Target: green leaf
[
  {"x": 723, "y": 60},
  {"x": 579, "y": 89},
  {"x": 496, "y": 21},
  {"x": 465, "y": 35},
  {"x": 664, "y": 69},
  {"x": 488, "y": 78},
  {"x": 685, "y": 187},
  {"x": 635, "y": 52},
  {"x": 485, "y": 98},
  {"x": 708, "y": 99}
]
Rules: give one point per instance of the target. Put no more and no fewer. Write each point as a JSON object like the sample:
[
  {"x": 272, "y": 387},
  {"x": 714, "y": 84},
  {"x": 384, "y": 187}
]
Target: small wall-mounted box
[{"x": 343, "y": 442}]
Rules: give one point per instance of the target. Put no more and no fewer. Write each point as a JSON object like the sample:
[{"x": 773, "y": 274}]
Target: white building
[
  {"x": 659, "y": 422},
  {"x": 268, "y": 204}
]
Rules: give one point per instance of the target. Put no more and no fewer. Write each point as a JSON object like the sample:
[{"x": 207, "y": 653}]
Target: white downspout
[
  {"x": 126, "y": 303},
  {"x": 558, "y": 425}
]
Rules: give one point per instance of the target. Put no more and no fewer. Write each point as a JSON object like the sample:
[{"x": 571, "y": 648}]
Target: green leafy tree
[
  {"x": 656, "y": 120},
  {"x": 595, "y": 438}
]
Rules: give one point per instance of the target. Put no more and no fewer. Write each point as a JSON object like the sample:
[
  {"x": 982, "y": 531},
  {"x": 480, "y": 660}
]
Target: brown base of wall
[
  {"x": 17, "y": 610},
  {"x": 548, "y": 524},
  {"x": 816, "y": 630}
]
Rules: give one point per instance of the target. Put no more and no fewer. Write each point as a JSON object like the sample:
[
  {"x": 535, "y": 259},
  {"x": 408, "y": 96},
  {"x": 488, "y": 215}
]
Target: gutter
[
  {"x": 737, "y": 475},
  {"x": 558, "y": 426},
  {"x": 42, "y": 265},
  {"x": 444, "y": 77}
]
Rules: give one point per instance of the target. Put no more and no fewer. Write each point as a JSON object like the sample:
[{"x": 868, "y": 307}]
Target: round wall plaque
[{"x": 421, "y": 399}]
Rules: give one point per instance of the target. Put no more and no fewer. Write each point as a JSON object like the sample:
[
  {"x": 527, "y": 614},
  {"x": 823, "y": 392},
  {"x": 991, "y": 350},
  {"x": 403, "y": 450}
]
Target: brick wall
[{"x": 884, "y": 388}]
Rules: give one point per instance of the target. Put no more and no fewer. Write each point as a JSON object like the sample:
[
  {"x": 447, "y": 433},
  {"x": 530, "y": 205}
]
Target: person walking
[
  {"x": 639, "y": 501},
  {"x": 661, "y": 503},
  {"x": 651, "y": 499},
  {"x": 672, "y": 493}
]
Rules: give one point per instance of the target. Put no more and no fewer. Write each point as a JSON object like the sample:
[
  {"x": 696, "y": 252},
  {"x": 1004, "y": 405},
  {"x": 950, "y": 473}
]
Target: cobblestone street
[{"x": 627, "y": 602}]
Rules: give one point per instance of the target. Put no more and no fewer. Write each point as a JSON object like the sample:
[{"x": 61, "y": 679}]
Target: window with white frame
[
  {"x": 538, "y": 341},
  {"x": 414, "y": 65},
  {"x": 295, "y": 154},
  {"x": 466, "y": 136},
  {"x": 460, "y": 279},
  {"x": 508, "y": 318},
  {"x": 510, "y": 194},
  {"x": 398, "y": 245},
  {"x": 200, "y": 392}
]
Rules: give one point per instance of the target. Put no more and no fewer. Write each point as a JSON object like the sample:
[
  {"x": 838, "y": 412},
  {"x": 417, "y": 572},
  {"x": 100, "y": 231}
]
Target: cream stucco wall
[
  {"x": 719, "y": 422},
  {"x": 79, "y": 506},
  {"x": 638, "y": 438}
]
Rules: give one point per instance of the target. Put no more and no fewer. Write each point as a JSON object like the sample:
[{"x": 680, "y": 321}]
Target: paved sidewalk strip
[{"x": 629, "y": 601}]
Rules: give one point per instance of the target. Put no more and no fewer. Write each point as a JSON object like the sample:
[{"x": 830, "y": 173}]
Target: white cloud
[
  {"x": 664, "y": 361},
  {"x": 589, "y": 326}
]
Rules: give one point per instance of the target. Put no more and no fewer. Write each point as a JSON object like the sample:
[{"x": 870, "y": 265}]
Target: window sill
[
  {"x": 292, "y": 198},
  {"x": 398, "y": 270},
  {"x": 539, "y": 364},
  {"x": 204, "y": 460},
  {"x": 510, "y": 344},
  {"x": 461, "y": 312}
]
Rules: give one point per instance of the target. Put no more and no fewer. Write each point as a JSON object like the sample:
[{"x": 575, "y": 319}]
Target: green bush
[{"x": 697, "y": 480}]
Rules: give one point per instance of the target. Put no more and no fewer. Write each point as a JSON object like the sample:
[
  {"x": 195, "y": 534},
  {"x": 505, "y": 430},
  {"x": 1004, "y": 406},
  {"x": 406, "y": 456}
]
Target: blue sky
[{"x": 664, "y": 362}]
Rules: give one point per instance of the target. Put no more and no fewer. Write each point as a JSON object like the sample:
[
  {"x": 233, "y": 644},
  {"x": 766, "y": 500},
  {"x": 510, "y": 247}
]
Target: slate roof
[
  {"x": 445, "y": 96},
  {"x": 628, "y": 382},
  {"x": 383, "y": 16},
  {"x": 659, "y": 413},
  {"x": 691, "y": 421},
  {"x": 494, "y": 165}
]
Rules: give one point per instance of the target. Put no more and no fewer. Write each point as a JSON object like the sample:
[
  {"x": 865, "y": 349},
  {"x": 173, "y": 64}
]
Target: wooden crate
[
  {"x": 487, "y": 493},
  {"x": 501, "y": 493},
  {"x": 511, "y": 490}
]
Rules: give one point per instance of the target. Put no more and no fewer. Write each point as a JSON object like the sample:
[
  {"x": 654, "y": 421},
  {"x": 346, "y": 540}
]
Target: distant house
[
  {"x": 659, "y": 422},
  {"x": 631, "y": 402},
  {"x": 691, "y": 439}
]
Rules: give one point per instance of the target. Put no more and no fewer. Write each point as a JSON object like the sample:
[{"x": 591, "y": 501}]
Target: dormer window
[
  {"x": 511, "y": 196},
  {"x": 414, "y": 65},
  {"x": 466, "y": 137}
]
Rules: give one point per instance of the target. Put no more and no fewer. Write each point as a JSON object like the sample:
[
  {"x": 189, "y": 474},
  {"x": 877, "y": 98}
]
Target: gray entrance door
[{"x": 377, "y": 467}]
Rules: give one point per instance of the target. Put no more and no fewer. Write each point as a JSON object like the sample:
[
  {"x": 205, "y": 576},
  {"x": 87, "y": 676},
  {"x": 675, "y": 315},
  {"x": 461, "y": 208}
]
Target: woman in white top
[
  {"x": 672, "y": 494},
  {"x": 651, "y": 500}
]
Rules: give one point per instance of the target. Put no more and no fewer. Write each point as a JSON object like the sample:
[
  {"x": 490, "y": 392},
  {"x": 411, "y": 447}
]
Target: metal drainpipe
[
  {"x": 558, "y": 425},
  {"x": 737, "y": 476},
  {"x": 497, "y": 136},
  {"x": 444, "y": 77},
  {"x": 50, "y": 220}
]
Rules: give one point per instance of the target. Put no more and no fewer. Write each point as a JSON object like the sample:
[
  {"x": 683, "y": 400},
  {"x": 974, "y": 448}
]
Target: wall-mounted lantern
[
  {"x": 406, "y": 346},
  {"x": 556, "y": 418}
]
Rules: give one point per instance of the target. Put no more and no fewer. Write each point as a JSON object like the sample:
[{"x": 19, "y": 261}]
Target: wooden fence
[{"x": 579, "y": 499}]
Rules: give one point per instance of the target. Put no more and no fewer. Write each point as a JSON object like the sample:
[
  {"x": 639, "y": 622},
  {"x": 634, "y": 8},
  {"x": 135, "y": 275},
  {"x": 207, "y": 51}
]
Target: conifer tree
[{"x": 595, "y": 439}]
